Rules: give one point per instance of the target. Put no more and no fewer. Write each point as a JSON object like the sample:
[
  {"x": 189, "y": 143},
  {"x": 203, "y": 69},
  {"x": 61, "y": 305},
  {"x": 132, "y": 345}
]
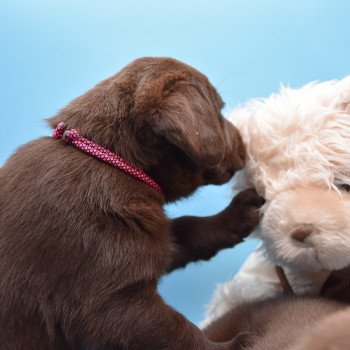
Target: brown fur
[
  {"x": 332, "y": 333},
  {"x": 275, "y": 324},
  {"x": 83, "y": 245}
]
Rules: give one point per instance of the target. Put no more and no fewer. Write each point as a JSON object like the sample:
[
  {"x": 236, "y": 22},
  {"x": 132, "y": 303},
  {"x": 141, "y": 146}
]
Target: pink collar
[{"x": 72, "y": 137}]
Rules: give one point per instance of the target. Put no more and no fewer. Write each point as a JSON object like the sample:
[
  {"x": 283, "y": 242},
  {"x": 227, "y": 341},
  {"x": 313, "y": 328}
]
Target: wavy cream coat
[{"x": 298, "y": 148}]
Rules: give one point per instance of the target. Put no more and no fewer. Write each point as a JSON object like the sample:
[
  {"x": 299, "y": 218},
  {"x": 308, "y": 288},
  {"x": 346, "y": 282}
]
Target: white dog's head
[{"x": 298, "y": 158}]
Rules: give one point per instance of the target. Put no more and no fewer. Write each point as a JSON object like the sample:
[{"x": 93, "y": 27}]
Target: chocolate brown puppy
[
  {"x": 331, "y": 333},
  {"x": 83, "y": 245},
  {"x": 282, "y": 323}
]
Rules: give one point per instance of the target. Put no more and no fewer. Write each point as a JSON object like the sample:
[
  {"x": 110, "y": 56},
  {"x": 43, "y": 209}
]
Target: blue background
[{"x": 53, "y": 51}]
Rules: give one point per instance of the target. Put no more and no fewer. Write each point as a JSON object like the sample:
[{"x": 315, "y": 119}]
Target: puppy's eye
[{"x": 344, "y": 187}]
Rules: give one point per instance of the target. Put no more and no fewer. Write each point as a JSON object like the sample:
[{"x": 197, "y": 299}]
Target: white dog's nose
[{"x": 302, "y": 232}]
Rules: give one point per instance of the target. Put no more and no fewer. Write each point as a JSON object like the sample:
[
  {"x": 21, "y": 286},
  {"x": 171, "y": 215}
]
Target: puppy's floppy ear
[{"x": 181, "y": 110}]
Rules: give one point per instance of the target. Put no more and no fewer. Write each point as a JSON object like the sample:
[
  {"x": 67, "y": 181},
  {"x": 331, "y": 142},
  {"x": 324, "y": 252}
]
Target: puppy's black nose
[{"x": 301, "y": 233}]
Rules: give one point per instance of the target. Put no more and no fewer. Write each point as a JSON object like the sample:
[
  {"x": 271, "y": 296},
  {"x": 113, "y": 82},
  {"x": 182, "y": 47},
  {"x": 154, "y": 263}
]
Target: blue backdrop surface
[{"x": 54, "y": 50}]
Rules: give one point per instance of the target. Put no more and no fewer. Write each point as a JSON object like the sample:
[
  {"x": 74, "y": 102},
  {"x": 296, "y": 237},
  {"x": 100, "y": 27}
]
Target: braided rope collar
[{"x": 72, "y": 137}]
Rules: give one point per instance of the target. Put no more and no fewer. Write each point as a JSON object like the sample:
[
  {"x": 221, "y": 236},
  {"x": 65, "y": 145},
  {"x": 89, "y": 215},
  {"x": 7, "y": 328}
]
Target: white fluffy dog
[{"x": 298, "y": 159}]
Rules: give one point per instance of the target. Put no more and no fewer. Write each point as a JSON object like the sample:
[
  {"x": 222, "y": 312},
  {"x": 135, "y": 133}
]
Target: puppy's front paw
[
  {"x": 248, "y": 198},
  {"x": 243, "y": 215}
]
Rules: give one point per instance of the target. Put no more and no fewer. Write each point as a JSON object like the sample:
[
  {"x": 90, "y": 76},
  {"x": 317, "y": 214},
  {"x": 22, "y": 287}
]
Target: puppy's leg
[
  {"x": 143, "y": 322},
  {"x": 200, "y": 238}
]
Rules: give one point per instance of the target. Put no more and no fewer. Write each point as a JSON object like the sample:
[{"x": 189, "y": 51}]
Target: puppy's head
[
  {"x": 164, "y": 117},
  {"x": 307, "y": 228}
]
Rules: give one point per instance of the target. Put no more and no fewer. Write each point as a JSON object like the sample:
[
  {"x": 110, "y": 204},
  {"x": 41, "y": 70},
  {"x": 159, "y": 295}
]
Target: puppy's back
[
  {"x": 273, "y": 324},
  {"x": 331, "y": 333}
]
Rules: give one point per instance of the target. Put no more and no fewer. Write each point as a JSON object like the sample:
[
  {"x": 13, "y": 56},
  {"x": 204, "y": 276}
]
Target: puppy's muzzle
[{"x": 234, "y": 158}]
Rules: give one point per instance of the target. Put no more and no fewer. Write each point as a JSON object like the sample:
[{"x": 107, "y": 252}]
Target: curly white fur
[{"x": 298, "y": 156}]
